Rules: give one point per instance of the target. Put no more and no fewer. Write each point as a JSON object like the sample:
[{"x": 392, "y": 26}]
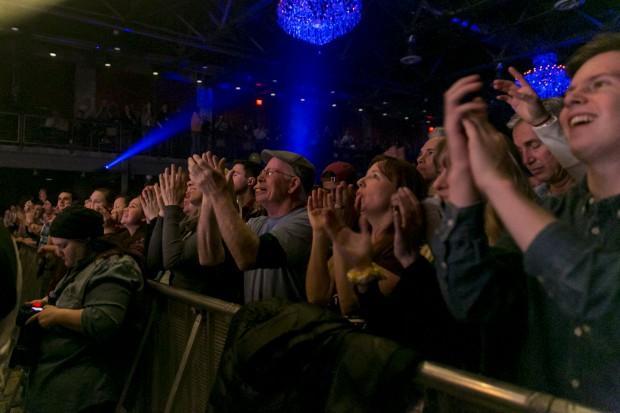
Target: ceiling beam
[{"x": 123, "y": 28}]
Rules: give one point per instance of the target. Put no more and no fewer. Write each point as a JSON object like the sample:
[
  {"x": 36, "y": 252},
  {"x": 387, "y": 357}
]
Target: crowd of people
[{"x": 494, "y": 254}]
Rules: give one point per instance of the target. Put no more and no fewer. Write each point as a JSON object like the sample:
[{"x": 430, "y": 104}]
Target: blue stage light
[
  {"x": 319, "y": 21},
  {"x": 175, "y": 125},
  {"x": 547, "y": 78}
]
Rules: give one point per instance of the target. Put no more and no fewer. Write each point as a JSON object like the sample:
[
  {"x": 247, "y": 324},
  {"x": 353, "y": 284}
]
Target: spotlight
[
  {"x": 108, "y": 65},
  {"x": 259, "y": 102},
  {"x": 52, "y": 54},
  {"x": 117, "y": 49},
  {"x": 237, "y": 87},
  {"x": 199, "y": 81},
  {"x": 155, "y": 73},
  {"x": 332, "y": 92},
  {"x": 15, "y": 29},
  {"x": 334, "y": 105},
  {"x": 384, "y": 114},
  {"x": 205, "y": 67},
  {"x": 406, "y": 117},
  {"x": 275, "y": 80},
  {"x": 385, "y": 102},
  {"x": 360, "y": 109},
  {"x": 302, "y": 99},
  {"x": 272, "y": 94}
]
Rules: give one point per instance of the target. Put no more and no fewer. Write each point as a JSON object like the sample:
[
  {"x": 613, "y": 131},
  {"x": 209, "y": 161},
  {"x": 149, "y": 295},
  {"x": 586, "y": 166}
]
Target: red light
[
  {"x": 431, "y": 129},
  {"x": 259, "y": 102}
]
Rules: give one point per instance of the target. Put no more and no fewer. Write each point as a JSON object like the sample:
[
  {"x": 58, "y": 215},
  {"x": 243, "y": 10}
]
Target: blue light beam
[{"x": 175, "y": 125}]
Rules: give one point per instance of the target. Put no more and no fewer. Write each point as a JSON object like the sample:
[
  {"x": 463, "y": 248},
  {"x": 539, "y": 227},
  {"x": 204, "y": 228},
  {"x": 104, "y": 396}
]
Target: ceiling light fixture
[
  {"x": 547, "y": 78},
  {"x": 52, "y": 54},
  {"x": 319, "y": 21}
]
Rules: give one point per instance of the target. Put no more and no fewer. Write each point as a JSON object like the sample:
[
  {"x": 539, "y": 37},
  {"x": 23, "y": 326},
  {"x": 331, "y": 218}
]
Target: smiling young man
[
  {"x": 569, "y": 284},
  {"x": 272, "y": 250}
]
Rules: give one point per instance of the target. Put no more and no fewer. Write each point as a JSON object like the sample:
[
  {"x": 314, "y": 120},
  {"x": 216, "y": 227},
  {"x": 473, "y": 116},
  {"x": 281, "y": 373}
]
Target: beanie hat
[{"x": 77, "y": 223}]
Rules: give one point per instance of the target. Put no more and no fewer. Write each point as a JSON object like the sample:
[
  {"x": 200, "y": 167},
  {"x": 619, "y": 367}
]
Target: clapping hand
[
  {"x": 344, "y": 203},
  {"x": 208, "y": 173},
  {"x": 488, "y": 151},
  {"x": 150, "y": 204},
  {"x": 318, "y": 205},
  {"x": 173, "y": 184}
]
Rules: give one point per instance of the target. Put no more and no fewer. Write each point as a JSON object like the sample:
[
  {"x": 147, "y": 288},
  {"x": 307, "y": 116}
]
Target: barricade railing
[
  {"x": 189, "y": 364},
  {"x": 179, "y": 355}
]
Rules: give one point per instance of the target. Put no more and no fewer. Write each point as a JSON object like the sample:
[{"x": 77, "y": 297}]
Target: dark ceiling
[{"x": 215, "y": 38}]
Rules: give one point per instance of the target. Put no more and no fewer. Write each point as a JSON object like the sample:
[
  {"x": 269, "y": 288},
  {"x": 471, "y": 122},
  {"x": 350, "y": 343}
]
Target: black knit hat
[{"x": 77, "y": 223}]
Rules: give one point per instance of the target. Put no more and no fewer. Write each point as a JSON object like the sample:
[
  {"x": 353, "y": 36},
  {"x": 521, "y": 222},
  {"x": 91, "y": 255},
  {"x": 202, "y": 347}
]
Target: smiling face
[
  {"x": 274, "y": 182},
  {"x": 97, "y": 200},
  {"x": 64, "y": 200},
  {"x": 375, "y": 191},
  {"x": 132, "y": 214},
  {"x": 591, "y": 114},
  {"x": 193, "y": 197}
]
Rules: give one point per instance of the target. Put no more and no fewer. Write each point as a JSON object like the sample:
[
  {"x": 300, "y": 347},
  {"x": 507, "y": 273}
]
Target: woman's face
[
  {"x": 375, "y": 191},
  {"x": 132, "y": 214},
  {"x": 48, "y": 208},
  {"x": 117, "y": 209}
]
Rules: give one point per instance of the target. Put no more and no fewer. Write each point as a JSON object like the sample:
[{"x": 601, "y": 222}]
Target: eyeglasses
[
  {"x": 595, "y": 83},
  {"x": 270, "y": 172}
]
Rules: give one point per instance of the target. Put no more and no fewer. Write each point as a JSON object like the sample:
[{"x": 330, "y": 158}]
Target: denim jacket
[{"x": 566, "y": 286}]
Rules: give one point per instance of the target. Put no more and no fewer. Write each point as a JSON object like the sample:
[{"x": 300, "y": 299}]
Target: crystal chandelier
[
  {"x": 547, "y": 78},
  {"x": 319, "y": 21}
]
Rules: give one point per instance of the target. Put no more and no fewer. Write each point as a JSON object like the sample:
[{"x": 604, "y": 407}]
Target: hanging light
[
  {"x": 547, "y": 78},
  {"x": 319, "y": 21}
]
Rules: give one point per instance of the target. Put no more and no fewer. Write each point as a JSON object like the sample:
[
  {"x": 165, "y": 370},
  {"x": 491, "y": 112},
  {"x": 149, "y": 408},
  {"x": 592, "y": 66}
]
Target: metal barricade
[{"x": 179, "y": 364}]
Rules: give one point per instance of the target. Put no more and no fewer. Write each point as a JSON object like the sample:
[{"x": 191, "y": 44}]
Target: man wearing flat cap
[
  {"x": 272, "y": 250},
  {"x": 83, "y": 320}
]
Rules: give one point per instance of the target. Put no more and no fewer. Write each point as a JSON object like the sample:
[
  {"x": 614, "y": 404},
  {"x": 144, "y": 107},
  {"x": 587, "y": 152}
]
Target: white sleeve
[{"x": 551, "y": 134}]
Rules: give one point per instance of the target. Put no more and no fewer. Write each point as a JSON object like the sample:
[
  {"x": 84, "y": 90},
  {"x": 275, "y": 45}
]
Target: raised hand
[
  {"x": 344, "y": 203},
  {"x": 408, "y": 216},
  {"x": 523, "y": 99},
  {"x": 463, "y": 191},
  {"x": 173, "y": 184},
  {"x": 488, "y": 152},
  {"x": 207, "y": 172},
  {"x": 454, "y": 112},
  {"x": 355, "y": 249},
  {"x": 317, "y": 210},
  {"x": 148, "y": 201},
  {"x": 108, "y": 220}
]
